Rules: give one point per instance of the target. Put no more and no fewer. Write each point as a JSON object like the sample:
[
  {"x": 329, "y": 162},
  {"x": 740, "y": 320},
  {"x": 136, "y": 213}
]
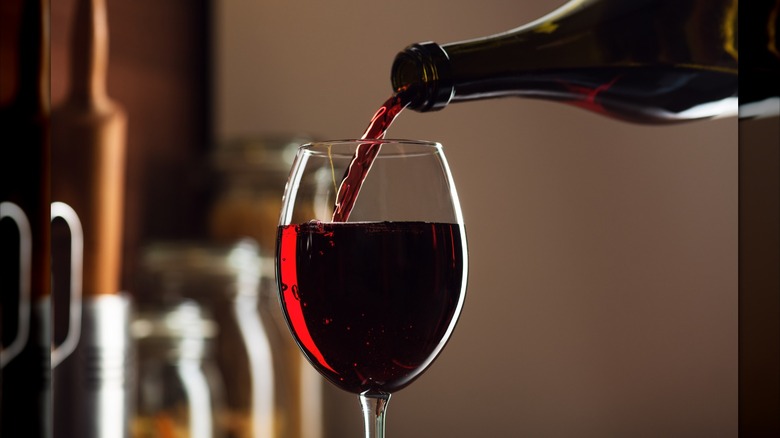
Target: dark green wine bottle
[{"x": 647, "y": 61}]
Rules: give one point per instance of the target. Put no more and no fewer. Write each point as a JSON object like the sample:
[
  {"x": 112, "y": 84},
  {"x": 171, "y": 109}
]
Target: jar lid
[
  {"x": 268, "y": 156},
  {"x": 184, "y": 320},
  {"x": 241, "y": 258}
]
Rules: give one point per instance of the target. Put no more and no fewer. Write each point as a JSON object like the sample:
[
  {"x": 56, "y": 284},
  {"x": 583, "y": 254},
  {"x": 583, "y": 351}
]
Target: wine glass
[{"x": 373, "y": 299}]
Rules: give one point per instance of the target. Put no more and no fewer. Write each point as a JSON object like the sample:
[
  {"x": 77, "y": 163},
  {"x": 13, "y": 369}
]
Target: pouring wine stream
[{"x": 365, "y": 154}]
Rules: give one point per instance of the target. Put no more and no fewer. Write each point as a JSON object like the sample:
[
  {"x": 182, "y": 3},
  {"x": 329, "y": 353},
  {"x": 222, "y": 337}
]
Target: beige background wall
[{"x": 603, "y": 290}]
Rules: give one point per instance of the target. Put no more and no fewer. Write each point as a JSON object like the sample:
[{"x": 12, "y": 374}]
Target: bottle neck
[
  {"x": 422, "y": 71},
  {"x": 89, "y": 50}
]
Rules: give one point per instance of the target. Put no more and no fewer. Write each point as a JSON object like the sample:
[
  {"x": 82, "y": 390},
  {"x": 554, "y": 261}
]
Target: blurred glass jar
[
  {"x": 252, "y": 174},
  {"x": 225, "y": 279},
  {"x": 178, "y": 389}
]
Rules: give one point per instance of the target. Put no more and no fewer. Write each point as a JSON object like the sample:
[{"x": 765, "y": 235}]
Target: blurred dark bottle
[
  {"x": 24, "y": 218},
  {"x": 759, "y": 219},
  {"x": 92, "y": 355},
  {"x": 759, "y": 86},
  {"x": 645, "y": 61}
]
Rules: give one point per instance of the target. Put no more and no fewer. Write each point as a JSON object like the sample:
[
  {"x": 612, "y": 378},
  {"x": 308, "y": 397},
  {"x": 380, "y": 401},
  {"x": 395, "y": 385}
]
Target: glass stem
[{"x": 374, "y": 404}]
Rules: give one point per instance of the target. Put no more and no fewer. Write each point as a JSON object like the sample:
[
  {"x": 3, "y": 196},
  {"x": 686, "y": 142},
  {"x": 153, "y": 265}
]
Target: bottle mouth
[{"x": 422, "y": 71}]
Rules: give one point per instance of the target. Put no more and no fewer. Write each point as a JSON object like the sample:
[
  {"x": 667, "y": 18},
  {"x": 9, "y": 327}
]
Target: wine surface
[{"x": 371, "y": 304}]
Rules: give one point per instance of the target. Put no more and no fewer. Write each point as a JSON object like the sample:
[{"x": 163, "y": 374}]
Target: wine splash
[{"x": 365, "y": 154}]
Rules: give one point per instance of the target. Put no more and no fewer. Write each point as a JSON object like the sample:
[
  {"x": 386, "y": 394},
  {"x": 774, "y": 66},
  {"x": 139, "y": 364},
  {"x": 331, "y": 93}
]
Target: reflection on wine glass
[{"x": 373, "y": 300}]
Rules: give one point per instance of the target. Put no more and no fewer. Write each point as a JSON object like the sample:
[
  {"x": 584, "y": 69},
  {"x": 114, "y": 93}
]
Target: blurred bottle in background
[
  {"x": 91, "y": 359},
  {"x": 24, "y": 218},
  {"x": 759, "y": 215}
]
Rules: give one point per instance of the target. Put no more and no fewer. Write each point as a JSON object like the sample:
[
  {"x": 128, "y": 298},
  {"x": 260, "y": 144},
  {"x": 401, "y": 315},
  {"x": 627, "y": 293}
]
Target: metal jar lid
[
  {"x": 190, "y": 268},
  {"x": 175, "y": 331},
  {"x": 264, "y": 159}
]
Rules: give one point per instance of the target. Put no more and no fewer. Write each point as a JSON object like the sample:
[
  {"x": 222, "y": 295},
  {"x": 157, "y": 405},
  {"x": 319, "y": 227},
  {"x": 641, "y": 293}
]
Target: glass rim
[{"x": 346, "y": 147}]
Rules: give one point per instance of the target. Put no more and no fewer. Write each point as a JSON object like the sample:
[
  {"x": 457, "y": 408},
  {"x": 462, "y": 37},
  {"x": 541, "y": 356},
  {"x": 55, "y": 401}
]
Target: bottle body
[
  {"x": 649, "y": 61},
  {"x": 25, "y": 283}
]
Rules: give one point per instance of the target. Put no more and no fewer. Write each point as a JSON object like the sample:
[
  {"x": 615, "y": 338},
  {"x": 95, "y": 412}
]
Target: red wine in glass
[{"x": 371, "y": 304}]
